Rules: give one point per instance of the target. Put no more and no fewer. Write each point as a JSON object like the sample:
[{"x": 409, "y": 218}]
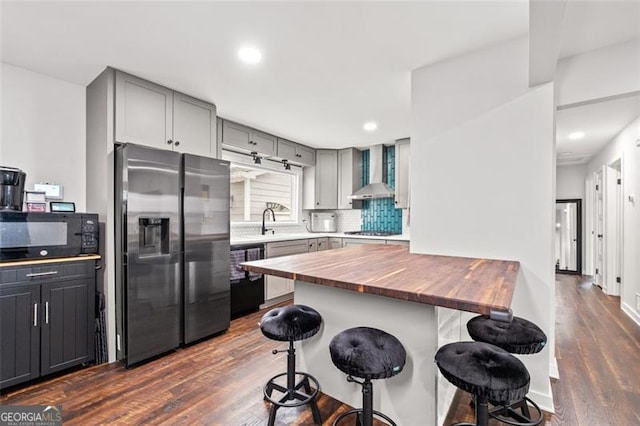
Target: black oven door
[{"x": 29, "y": 235}]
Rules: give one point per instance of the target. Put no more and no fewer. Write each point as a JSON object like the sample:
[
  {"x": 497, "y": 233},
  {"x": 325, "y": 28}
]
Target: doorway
[{"x": 568, "y": 236}]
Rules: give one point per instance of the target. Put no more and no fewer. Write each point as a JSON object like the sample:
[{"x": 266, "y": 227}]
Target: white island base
[{"x": 409, "y": 398}]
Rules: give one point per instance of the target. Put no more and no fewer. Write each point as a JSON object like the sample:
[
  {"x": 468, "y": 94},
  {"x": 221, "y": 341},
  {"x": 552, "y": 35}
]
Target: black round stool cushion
[
  {"x": 289, "y": 323},
  {"x": 518, "y": 336},
  {"x": 484, "y": 370},
  {"x": 367, "y": 353}
]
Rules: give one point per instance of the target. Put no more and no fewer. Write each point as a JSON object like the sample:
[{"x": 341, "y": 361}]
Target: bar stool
[
  {"x": 521, "y": 337},
  {"x": 486, "y": 371},
  {"x": 366, "y": 353},
  {"x": 291, "y": 323}
]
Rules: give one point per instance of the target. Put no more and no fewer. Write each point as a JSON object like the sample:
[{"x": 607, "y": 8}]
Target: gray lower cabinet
[
  {"x": 67, "y": 326},
  {"x": 278, "y": 286},
  {"x": 47, "y": 319},
  {"x": 348, "y": 242},
  {"x": 335, "y": 243},
  {"x": 398, "y": 243},
  {"x": 19, "y": 334},
  {"x": 323, "y": 244}
]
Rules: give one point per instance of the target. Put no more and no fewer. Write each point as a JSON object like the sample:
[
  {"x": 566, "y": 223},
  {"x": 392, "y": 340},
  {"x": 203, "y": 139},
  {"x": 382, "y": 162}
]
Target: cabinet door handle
[
  {"x": 176, "y": 143},
  {"x": 35, "y": 314},
  {"x": 46, "y": 312},
  {"x": 42, "y": 274},
  {"x": 169, "y": 142}
]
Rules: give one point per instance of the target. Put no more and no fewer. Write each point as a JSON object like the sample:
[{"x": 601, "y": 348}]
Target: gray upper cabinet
[
  {"x": 194, "y": 125},
  {"x": 320, "y": 182},
  {"x": 402, "y": 173},
  {"x": 144, "y": 112},
  {"x": 296, "y": 153},
  {"x": 153, "y": 115},
  {"x": 349, "y": 177},
  {"x": 245, "y": 139}
]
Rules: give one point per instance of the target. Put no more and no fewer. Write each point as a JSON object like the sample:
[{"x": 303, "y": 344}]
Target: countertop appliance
[
  {"x": 11, "y": 188},
  {"x": 172, "y": 250},
  {"x": 30, "y": 235},
  {"x": 323, "y": 222}
]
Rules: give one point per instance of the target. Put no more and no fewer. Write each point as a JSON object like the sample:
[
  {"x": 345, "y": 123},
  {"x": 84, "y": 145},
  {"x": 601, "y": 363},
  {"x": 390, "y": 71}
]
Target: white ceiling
[
  {"x": 590, "y": 25},
  {"x": 327, "y": 66},
  {"x": 600, "y": 122}
]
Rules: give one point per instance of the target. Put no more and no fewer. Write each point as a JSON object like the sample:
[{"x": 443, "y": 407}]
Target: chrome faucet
[{"x": 273, "y": 215}]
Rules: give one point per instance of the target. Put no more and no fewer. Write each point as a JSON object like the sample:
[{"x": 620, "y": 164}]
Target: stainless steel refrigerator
[{"x": 172, "y": 250}]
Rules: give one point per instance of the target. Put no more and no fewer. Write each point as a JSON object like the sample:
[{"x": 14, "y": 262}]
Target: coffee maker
[{"x": 11, "y": 188}]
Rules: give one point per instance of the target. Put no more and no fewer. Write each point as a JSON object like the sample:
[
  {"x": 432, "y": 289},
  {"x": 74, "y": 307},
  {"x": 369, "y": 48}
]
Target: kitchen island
[{"x": 386, "y": 287}]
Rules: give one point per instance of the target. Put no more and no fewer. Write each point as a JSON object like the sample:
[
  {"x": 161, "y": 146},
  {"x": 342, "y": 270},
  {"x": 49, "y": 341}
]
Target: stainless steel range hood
[{"x": 376, "y": 187}]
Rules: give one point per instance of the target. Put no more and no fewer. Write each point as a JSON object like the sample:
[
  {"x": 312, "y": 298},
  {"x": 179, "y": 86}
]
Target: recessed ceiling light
[
  {"x": 574, "y": 136},
  {"x": 370, "y": 126},
  {"x": 249, "y": 55}
]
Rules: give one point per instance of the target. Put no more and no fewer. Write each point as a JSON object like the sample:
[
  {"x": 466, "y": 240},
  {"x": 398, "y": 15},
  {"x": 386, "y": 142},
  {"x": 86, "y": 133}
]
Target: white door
[
  {"x": 599, "y": 240},
  {"x": 619, "y": 227}
]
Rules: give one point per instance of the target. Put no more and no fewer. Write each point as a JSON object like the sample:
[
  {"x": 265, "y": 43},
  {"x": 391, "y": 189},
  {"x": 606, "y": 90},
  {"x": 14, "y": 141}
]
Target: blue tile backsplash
[{"x": 381, "y": 214}]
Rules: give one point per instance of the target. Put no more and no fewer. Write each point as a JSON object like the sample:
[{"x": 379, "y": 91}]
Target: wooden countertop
[
  {"x": 468, "y": 284},
  {"x": 48, "y": 260}
]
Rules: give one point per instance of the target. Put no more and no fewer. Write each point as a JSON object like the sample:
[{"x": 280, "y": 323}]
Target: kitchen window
[{"x": 255, "y": 187}]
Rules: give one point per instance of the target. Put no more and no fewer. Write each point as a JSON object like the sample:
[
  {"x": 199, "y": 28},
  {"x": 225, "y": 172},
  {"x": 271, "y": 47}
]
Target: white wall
[
  {"x": 43, "y": 130},
  {"x": 625, "y": 146},
  {"x": 483, "y": 152},
  {"x": 570, "y": 181},
  {"x": 609, "y": 71}
]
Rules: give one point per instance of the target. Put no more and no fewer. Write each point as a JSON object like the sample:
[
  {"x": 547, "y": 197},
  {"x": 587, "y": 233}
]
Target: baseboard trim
[
  {"x": 544, "y": 401},
  {"x": 554, "y": 373},
  {"x": 631, "y": 313}
]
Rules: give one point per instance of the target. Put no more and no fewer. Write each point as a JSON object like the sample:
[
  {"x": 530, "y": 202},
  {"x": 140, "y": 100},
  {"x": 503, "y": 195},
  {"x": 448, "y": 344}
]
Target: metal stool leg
[
  {"x": 482, "y": 411},
  {"x": 364, "y": 415},
  {"x": 292, "y": 390},
  {"x": 367, "y": 403}
]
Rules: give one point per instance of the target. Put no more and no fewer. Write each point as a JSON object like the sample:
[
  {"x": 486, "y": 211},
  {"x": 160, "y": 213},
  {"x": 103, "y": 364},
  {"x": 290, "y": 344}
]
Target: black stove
[{"x": 372, "y": 233}]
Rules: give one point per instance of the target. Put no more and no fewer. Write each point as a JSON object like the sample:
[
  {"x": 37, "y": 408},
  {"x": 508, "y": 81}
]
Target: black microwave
[{"x": 31, "y": 235}]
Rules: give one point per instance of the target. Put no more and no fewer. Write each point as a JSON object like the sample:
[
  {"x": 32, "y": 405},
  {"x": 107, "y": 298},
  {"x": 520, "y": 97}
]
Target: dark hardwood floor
[{"x": 219, "y": 381}]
